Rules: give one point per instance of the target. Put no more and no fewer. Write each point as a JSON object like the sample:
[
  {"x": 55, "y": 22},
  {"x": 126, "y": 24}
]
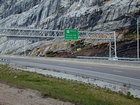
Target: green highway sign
[{"x": 70, "y": 34}]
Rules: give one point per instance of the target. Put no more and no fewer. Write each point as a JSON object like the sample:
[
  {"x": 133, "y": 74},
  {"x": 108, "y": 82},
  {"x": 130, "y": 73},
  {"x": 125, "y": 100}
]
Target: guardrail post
[{"x": 115, "y": 44}]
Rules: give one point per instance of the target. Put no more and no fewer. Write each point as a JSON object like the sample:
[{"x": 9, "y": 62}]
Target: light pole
[
  {"x": 137, "y": 38},
  {"x": 137, "y": 30},
  {"x": 137, "y": 34}
]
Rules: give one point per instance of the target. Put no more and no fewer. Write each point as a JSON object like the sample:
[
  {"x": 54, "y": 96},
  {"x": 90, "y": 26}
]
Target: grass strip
[{"x": 66, "y": 90}]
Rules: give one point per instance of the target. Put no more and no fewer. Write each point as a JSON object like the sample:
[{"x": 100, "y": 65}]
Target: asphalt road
[{"x": 105, "y": 70}]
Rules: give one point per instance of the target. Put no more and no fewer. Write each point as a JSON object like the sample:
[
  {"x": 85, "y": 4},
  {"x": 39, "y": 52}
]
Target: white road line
[
  {"x": 118, "y": 71},
  {"x": 62, "y": 64},
  {"x": 87, "y": 67}
]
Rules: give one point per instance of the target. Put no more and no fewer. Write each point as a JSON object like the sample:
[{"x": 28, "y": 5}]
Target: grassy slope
[{"x": 73, "y": 91}]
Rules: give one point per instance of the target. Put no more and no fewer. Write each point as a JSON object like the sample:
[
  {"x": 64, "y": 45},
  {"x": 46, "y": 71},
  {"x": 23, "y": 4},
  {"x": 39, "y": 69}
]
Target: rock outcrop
[
  {"x": 89, "y": 15},
  {"x": 59, "y": 14}
]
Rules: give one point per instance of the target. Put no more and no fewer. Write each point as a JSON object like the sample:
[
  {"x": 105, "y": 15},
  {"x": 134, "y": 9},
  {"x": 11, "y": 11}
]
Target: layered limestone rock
[
  {"x": 89, "y": 15},
  {"x": 59, "y": 14}
]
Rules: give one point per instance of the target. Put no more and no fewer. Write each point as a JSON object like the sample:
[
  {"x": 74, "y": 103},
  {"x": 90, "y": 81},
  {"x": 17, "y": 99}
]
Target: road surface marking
[
  {"x": 62, "y": 64},
  {"x": 118, "y": 71},
  {"x": 87, "y": 67}
]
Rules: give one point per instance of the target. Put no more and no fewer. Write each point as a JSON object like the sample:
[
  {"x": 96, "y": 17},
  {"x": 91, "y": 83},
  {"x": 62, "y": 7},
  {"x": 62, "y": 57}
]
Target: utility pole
[
  {"x": 137, "y": 34},
  {"x": 137, "y": 38}
]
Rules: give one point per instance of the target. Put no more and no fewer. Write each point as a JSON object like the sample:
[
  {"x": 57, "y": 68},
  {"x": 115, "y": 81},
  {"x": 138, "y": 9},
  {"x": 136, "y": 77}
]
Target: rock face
[
  {"x": 59, "y": 14},
  {"x": 89, "y": 15}
]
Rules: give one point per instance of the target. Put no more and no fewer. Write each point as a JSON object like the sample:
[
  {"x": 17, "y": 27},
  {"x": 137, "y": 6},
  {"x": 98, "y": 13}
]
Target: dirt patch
[
  {"x": 14, "y": 96},
  {"x": 127, "y": 49}
]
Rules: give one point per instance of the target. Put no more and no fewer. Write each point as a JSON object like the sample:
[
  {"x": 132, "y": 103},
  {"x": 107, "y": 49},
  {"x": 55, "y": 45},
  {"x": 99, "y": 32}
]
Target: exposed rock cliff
[
  {"x": 87, "y": 15},
  {"x": 60, "y": 14}
]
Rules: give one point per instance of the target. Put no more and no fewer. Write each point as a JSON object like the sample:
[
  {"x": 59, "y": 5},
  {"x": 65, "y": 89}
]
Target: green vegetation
[
  {"x": 66, "y": 90},
  {"x": 130, "y": 35}
]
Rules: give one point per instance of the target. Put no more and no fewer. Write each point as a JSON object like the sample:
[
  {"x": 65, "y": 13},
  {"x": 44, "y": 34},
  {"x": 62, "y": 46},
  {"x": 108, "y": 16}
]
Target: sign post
[{"x": 70, "y": 34}]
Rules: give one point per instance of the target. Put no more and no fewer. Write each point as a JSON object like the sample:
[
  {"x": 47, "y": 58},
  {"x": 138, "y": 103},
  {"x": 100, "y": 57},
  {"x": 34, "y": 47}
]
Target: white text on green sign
[{"x": 71, "y": 34}]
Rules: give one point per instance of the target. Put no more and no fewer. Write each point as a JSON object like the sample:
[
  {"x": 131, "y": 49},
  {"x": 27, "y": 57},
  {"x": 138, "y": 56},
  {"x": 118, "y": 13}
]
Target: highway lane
[
  {"x": 121, "y": 71},
  {"x": 92, "y": 69}
]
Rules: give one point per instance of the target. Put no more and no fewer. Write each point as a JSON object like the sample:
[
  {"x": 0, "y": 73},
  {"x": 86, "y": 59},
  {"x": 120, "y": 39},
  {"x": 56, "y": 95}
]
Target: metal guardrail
[
  {"x": 3, "y": 60},
  {"x": 108, "y": 58},
  {"x": 90, "y": 57},
  {"x": 130, "y": 59}
]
